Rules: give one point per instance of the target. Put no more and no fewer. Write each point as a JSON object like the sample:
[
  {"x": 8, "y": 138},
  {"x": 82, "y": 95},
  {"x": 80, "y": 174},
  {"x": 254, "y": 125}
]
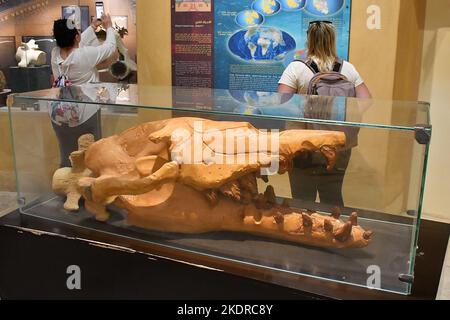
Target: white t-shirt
[
  {"x": 297, "y": 75},
  {"x": 80, "y": 66}
]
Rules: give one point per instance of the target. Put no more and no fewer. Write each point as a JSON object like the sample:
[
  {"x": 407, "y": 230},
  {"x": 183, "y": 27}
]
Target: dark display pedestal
[
  {"x": 34, "y": 265},
  {"x": 3, "y": 96},
  {"x": 29, "y": 79}
]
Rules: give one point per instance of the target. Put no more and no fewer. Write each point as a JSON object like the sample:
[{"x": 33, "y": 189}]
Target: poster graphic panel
[
  {"x": 192, "y": 43},
  {"x": 255, "y": 40}
]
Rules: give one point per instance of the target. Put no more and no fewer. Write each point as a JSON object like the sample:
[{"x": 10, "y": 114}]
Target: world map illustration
[{"x": 259, "y": 43}]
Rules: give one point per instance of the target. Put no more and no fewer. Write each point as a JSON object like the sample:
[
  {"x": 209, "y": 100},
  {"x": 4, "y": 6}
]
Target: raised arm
[
  {"x": 88, "y": 37},
  {"x": 98, "y": 54}
]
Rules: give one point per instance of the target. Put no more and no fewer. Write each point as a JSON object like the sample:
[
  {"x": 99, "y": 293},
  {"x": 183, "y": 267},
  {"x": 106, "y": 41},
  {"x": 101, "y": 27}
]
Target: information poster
[
  {"x": 255, "y": 40},
  {"x": 247, "y": 44},
  {"x": 192, "y": 43}
]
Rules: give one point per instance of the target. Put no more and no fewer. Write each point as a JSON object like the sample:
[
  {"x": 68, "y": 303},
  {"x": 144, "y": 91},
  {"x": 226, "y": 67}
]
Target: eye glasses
[{"x": 319, "y": 22}]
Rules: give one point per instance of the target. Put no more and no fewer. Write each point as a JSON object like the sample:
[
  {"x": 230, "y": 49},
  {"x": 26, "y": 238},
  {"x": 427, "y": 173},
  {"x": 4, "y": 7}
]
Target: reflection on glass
[{"x": 70, "y": 119}]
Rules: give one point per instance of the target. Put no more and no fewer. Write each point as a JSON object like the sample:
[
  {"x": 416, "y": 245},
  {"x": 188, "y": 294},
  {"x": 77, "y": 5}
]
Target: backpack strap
[
  {"x": 311, "y": 66},
  {"x": 315, "y": 68},
  {"x": 338, "y": 65}
]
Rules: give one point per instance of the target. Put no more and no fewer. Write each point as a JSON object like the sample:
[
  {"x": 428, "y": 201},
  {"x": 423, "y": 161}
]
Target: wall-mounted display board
[
  {"x": 192, "y": 43},
  {"x": 247, "y": 44}
]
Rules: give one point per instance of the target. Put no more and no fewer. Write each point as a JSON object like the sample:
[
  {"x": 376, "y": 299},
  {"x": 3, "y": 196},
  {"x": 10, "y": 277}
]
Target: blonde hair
[{"x": 322, "y": 45}]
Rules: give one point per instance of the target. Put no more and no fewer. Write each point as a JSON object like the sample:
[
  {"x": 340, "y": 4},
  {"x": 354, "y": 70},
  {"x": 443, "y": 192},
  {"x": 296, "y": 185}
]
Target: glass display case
[{"x": 325, "y": 187}]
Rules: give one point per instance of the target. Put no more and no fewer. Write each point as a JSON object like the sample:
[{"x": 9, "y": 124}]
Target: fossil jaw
[
  {"x": 135, "y": 173},
  {"x": 261, "y": 207}
]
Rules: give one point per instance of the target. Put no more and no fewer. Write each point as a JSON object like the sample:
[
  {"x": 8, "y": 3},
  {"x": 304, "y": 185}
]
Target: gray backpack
[{"x": 332, "y": 83}]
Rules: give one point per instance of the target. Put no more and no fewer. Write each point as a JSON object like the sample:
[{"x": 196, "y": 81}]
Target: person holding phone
[
  {"x": 74, "y": 62},
  {"x": 77, "y": 55}
]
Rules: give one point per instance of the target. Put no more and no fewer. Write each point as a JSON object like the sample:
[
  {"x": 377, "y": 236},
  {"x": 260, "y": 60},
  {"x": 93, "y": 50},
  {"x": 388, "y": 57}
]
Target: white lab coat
[{"x": 80, "y": 66}]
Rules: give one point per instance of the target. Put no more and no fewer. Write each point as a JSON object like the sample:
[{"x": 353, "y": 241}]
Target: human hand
[
  {"x": 106, "y": 21},
  {"x": 96, "y": 23}
]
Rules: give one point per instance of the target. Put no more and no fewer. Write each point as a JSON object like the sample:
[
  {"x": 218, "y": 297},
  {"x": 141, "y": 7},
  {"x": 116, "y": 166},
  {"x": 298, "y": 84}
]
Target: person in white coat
[
  {"x": 74, "y": 66},
  {"x": 76, "y": 55}
]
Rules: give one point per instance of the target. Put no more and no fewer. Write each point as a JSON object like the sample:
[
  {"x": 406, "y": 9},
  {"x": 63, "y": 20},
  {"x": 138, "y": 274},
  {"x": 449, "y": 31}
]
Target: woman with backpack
[
  {"x": 321, "y": 58},
  {"x": 322, "y": 74}
]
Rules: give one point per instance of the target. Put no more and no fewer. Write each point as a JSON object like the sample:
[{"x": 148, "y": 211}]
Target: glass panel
[
  {"x": 378, "y": 174},
  {"x": 358, "y": 112}
]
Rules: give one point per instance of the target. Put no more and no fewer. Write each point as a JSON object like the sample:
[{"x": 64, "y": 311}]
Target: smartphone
[{"x": 100, "y": 9}]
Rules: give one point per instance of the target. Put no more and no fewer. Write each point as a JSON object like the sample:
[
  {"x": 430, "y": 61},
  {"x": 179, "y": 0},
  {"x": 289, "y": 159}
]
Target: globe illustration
[
  {"x": 256, "y": 98},
  {"x": 266, "y": 7},
  {"x": 249, "y": 18},
  {"x": 292, "y": 5},
  {"x": 261, "y": 44},
  {"x": 324, "y": 7}
]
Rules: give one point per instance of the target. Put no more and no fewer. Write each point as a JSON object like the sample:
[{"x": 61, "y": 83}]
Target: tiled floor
[
  {"x": 7, "y": 202},
  {"x": 444, "y": 288}
]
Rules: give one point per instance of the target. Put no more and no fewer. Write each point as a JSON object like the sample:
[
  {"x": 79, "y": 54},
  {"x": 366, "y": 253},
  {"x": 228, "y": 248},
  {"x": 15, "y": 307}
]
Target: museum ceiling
[{"x": 10, "y": 9}]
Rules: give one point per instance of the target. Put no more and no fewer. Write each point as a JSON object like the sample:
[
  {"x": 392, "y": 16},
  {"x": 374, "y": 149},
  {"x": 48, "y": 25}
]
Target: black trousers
[
  {"x": 68, "y": 136},
  {"x": 310, "y": 177}
]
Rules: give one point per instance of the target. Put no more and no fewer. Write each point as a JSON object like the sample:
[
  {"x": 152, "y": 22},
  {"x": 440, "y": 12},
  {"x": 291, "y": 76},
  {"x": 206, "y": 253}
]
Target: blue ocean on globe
[
  {"x": 292, "y": 5},
  {"x": 266, "y": 7},
  {"x": 249, "y": 18},
  {"x": 324, "y": 7},
  {"x": 261, "y": 44}
]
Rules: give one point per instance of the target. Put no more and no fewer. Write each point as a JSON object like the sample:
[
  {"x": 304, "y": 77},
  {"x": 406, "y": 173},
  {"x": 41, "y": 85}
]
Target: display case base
[
  {"x": 34, "y": 265},
  {"x": 388, "y": 250}
]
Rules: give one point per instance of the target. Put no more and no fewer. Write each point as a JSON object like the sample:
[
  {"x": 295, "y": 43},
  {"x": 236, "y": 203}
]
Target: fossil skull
[{"x": 141, "y": 170}]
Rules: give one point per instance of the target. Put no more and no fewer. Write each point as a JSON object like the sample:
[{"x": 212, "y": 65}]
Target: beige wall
[
  {"x": 373, "y": 52},
  {"x": 154, "y": 61},
  {"x": 435, "y": 84}
]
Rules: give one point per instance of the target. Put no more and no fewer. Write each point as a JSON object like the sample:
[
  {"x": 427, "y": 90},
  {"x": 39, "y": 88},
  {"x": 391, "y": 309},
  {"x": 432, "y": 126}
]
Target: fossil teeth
[
  {"x": 344, "y": 232},
  {"x": 329, "y": 153},
  {"x": 265, "y": 179},
  {"x": 307, "y": 220},
  {"x": 286, "y": 203},
  {"x": 232, "y": 190},
  {"x": 251, "y": 211},
  {"x": 212, "y": 197},
  {"x": 368, "y": 235},
  {"x": 279, "y": 218},
  {"x": 258, "y": 216},
  {"x": 328, "y": 225},
  {"x": 336, "y": 213},
  {"x": 270, "y": 196},
  {"x": 354, "y": 219},
  {"x": 260, "y": 202}
]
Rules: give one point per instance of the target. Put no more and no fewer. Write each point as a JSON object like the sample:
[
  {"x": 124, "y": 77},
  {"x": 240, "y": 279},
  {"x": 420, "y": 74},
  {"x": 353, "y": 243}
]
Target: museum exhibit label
[{"x": 246, "y": 45}]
